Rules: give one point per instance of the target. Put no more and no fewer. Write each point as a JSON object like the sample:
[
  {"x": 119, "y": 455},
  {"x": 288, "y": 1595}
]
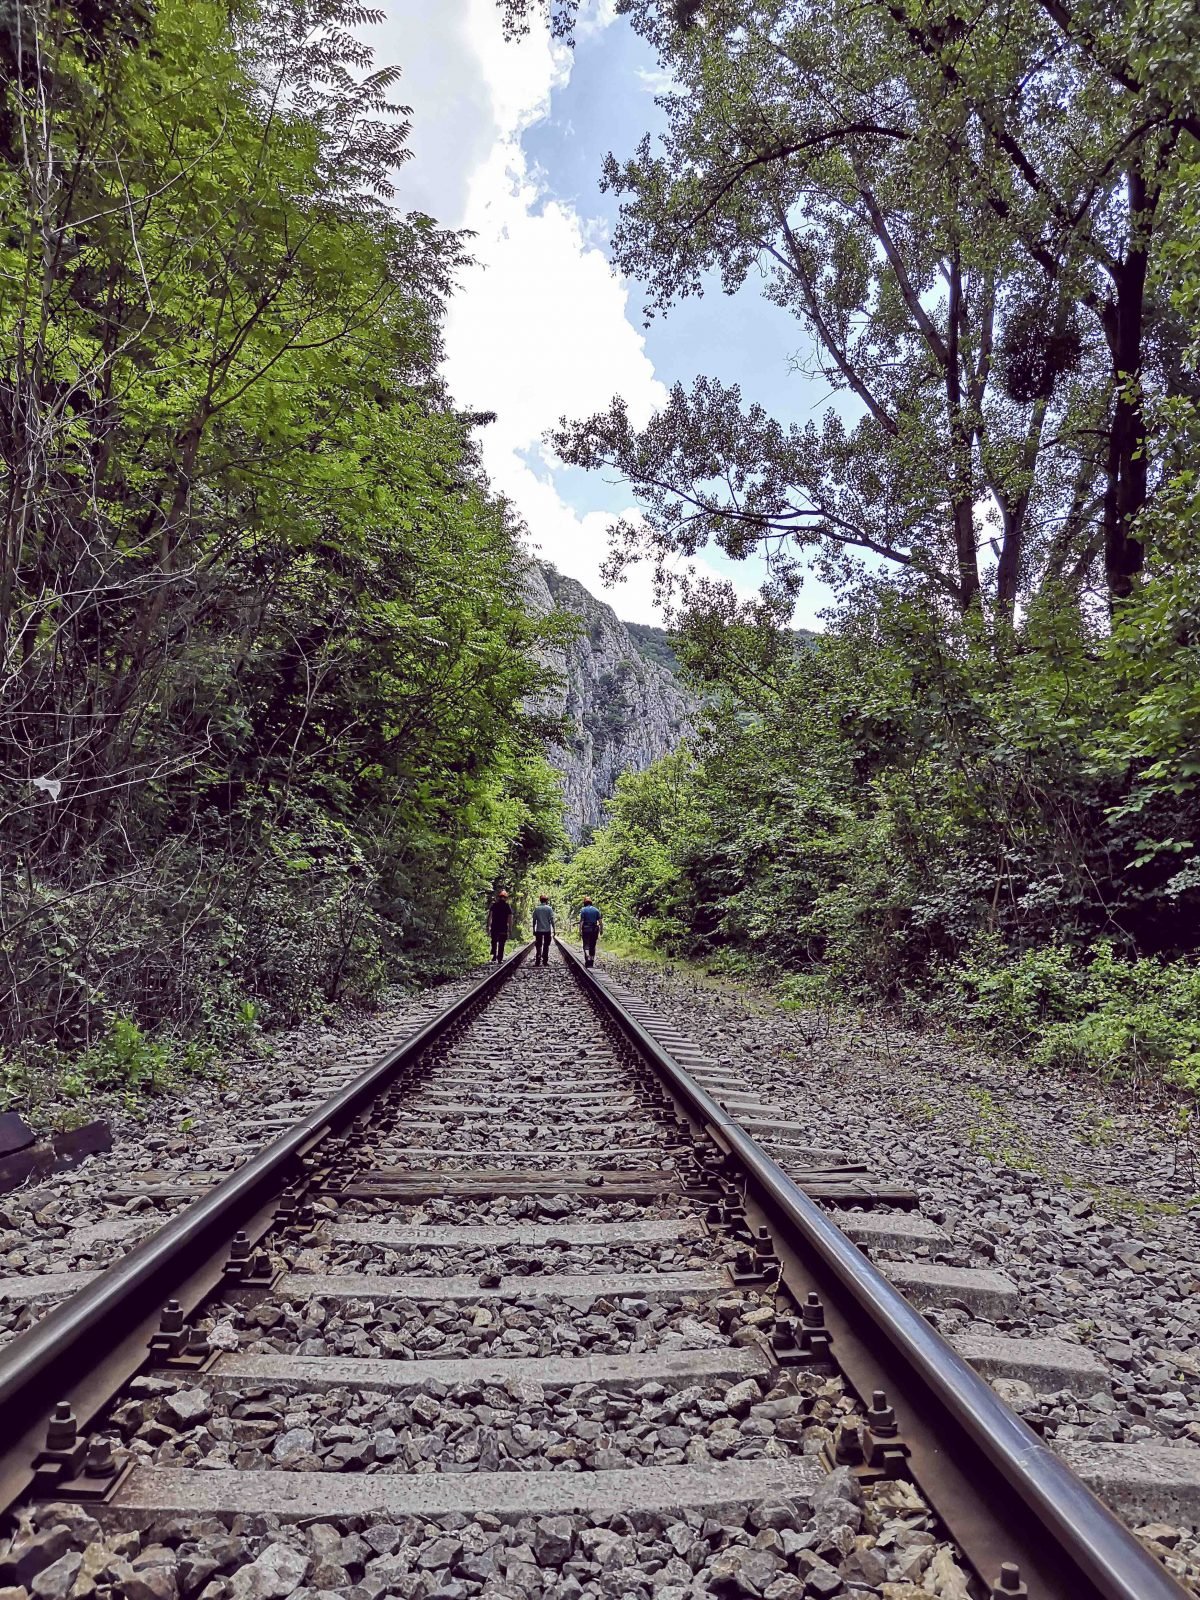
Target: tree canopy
[
  {"x": 262, "y": 629},
  {"x": 967, "y": 214}
]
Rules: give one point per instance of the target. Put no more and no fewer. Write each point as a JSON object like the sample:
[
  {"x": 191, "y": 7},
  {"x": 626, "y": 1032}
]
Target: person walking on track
[
  {"x": 499, "y": 924},
  {"x": 591, "y": 926},
  {"x": 543, "y": 931}
]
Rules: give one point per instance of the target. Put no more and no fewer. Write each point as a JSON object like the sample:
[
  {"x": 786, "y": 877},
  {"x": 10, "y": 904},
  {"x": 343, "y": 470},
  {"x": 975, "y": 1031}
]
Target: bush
[
  {"x": 1013, "y": 1002},
  {"x": 129, "y": 1060},
  {"x": 266, "y": 658},
  {"x": 805, "y": 991},
  {"x": 1095, "y": 1012}
]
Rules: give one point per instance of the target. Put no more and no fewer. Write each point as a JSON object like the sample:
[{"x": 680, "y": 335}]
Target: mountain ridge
[{"x": 623, "y": 708}]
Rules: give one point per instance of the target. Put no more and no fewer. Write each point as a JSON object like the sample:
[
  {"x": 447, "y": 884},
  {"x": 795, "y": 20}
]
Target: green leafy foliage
[
  {"x": 980, "y": 789},
  {"x": 630, "y": 868},
  {"x": 126, "y": 1058},
  {"x": 654, "y": 644},
  {"x": 901, "y": 811},
  {"x": 971, "y": 217},
  {"x": 1087, "y": 1011},
  {"x": 263, "y": 647}
]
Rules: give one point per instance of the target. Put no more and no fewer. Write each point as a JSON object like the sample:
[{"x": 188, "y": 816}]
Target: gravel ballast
[
  {"x": 1086, "y": 1201},
  {"x": 502, "y": 1102},
  {"x": 68, "y": 1222}
]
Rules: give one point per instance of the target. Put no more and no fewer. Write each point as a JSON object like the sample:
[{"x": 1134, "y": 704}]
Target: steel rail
[
  {"x": 88, "y": 1346},
  {"x": 1021, "y": 1503}
]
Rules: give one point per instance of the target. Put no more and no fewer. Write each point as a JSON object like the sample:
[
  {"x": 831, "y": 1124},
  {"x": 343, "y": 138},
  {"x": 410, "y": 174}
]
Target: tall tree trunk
[
  {"x": 961, "y": 442},
  {"x": 966, "y": 554},
  {"x": 1125, "y": 494}
]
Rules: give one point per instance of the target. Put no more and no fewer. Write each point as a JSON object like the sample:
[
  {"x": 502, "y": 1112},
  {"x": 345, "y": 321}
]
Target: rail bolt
[
  {"x": 62, "y": 1431},
  {"x": 784, "y": 1336},
  {"x": 764, "y": 1247},
  {"x": 1008, "y": 1585},
  {"x": 98, "y": 1462},
  {"x": 881, "y": 1419},
  {"x": 812, "y": 1312},
  {"x": 171, "y": 1319}
]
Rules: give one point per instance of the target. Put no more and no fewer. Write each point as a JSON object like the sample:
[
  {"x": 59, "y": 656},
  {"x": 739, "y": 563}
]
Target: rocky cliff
[{"x": 623, "y": 710}]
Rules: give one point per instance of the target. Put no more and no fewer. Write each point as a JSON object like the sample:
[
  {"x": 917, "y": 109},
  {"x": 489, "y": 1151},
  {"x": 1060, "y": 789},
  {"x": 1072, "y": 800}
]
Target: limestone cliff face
[{"x": 623, "y": 711}]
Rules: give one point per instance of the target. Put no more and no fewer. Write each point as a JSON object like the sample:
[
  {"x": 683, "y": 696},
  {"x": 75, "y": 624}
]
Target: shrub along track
[{"x": 523, "y": 1309}]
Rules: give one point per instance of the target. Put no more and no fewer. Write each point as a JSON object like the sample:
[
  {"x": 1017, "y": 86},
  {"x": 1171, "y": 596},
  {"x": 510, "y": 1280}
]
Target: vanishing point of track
[{"x": 559, "y": 1126}]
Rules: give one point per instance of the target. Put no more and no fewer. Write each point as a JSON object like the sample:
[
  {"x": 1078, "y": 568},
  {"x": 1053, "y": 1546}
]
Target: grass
[
  {"x": 1095, "y": 1129},
  {"x": 1117, "y": 1202},
  {"x": 125, "y": 1064},
  {"x": 627, "y": 946},
  {"x": 996, "y": 1134}
]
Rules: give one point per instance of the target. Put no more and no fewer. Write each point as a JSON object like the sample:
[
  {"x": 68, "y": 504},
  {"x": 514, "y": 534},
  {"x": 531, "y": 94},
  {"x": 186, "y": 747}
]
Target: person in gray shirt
[{"x": 543, "y": 931}]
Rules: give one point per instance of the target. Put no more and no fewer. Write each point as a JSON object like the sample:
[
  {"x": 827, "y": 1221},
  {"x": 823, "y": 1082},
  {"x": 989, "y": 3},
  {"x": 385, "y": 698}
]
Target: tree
[
  {"x": 263, "y": 645},
  {"x": 518, "y": 17},
  {"x": 964, "y": 215},
  {"x": 1082, "y": 144},
  {"x": 976, "y": 787}
]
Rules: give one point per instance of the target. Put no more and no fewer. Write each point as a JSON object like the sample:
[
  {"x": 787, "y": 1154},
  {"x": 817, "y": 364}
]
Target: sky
[{"x": 507, "y": 141}]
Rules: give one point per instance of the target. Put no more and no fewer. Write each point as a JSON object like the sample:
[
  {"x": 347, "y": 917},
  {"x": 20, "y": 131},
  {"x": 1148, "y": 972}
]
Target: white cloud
[
  {"x": 595, "y": 17},
  {"x": 452, "y": 124},
  {"x": 654, "y": 81},
  {"x": 541, "y": 327}
]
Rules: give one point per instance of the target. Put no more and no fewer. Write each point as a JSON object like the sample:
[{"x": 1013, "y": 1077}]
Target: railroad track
[{"x": 525, "y": 1307}]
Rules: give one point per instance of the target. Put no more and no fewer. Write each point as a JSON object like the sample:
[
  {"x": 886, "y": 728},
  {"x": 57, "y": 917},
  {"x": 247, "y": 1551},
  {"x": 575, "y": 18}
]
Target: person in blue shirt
[{"x": 591, "y": 926}]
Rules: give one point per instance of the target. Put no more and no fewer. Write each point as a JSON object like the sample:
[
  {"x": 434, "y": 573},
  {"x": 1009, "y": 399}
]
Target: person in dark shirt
[
  {"x": 591, "y": 926},
  {"x": 499, "y": 924},
  {"x": 543, "y": 930}
]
